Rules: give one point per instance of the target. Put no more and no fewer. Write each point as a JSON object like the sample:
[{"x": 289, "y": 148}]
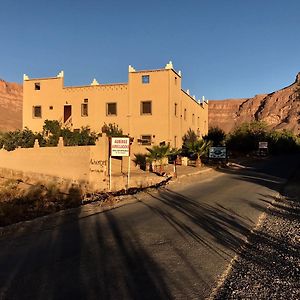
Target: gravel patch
[{"x": 268, "y": 266}]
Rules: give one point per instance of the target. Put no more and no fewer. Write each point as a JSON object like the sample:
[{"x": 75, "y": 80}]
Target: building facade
[{"x": 151, "y": 107}]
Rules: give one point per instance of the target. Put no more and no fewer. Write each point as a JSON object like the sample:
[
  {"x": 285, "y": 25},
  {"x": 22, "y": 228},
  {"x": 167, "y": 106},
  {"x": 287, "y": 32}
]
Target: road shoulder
[{"x": 268, "y": 266}]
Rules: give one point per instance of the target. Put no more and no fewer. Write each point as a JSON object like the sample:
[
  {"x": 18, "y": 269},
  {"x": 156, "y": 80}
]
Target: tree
[
  {"x": 188, "y": 141},
  {"x": 198, "y": 149},
  {"x": 52, "y": 130},
  {"x": 112, "y": 129},
  {"x": 19, "y": 138},
  {"x": 245, "y": 138},
  {"x": 216, "y": 135},
  {"x": 158, "y": 153},
  {"x": 140, "y": 160},
  {"x": 194, "y": 147}
]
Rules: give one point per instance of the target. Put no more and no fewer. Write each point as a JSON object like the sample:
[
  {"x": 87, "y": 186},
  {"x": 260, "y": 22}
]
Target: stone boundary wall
[{"x": 77, "y": 164}]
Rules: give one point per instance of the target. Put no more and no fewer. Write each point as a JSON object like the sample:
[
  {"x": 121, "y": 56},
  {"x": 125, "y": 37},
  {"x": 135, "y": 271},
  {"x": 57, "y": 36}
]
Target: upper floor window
[
  {"x": 111, "y": 109},
  {"x": 145, "y": 79},
  {"x": 193, "y": 119},
  {"x": 37, "y": 111},
  {"x": 84, "y": 110},
  {"x": 176, "y": 109},
  {"x": 146, "y": 108},
  {"x": 184, "y": 114},
  {"x": 37, "y": 86}
]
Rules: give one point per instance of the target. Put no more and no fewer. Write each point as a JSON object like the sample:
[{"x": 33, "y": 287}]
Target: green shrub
[
  {"x": 193, "y": 146},
  {"x": 245, "y": 139},
  {"x": 19, "y": 138},
  {"x": 112, "y": 129},
  {"x": 140, "y": 160},
  {"x": 282, "y": 142}
]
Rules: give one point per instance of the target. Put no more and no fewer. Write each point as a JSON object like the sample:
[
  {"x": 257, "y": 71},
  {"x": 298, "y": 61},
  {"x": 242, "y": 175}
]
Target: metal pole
[
  {"x": 109, "y": 172},
  {"x": 128, "y": 176}
]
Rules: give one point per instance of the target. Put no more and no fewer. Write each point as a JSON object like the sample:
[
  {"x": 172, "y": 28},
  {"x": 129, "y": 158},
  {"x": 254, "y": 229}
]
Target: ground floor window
[{"x": 145, "y": 139}]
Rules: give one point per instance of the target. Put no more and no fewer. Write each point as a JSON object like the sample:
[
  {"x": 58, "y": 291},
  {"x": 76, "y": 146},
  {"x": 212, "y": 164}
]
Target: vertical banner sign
[{"x": 119, "y": 146}]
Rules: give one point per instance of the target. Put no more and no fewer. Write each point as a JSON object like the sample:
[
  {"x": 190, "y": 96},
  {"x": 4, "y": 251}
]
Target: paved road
[{"x": 172, "y": 244}]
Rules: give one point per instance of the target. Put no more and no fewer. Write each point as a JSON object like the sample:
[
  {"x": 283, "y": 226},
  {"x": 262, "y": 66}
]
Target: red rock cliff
[
  {"x": 280, "y": 110},
  {"x": 10, "y": 106}
]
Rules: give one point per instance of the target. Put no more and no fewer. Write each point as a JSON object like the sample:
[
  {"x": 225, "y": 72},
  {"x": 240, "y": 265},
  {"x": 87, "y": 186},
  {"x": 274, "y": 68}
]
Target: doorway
[{"x": 67, "y": 112}]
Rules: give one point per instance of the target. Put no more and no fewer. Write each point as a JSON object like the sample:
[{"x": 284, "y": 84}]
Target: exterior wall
[
  {"x": 155, "y": 124},
  {"x": 85, "y": 166},
  {"x": 49, "y": 94},
  {"x": 79, "y": 164},
  {"x": 163, "y": 90},
  {"x": 53, "y": 94},
  {"x": 194, "y": 110}
]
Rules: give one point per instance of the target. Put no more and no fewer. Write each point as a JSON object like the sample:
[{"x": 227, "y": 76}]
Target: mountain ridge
[
  {"x": 279, "y": 110},
  {"x": 10, "y": 105}
]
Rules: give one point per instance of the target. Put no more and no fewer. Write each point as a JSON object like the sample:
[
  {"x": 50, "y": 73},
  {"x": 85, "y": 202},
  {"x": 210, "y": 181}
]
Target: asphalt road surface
[{"x": 173, "y": 243}]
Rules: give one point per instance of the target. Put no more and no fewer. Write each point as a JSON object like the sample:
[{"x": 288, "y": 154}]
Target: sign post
[
  {"x": 119, "y": 146},
  {"x": 217, "y": 153},
  {"x": 109, "y": 172},
  {"x": 128, "y": 174},
  {"x": 263, "y": 148}
]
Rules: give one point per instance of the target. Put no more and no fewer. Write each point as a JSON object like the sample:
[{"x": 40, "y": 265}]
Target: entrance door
[{"x": 67, "y": 112}]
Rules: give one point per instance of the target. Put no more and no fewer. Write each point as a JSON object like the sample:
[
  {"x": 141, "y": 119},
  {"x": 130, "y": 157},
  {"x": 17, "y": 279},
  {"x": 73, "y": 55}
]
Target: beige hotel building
[{"x": 151, "y": 107}]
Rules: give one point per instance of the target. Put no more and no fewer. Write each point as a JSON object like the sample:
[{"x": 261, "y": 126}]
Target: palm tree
[
  {"x": 158, "y": 153},
  {"x": 197, "y": 149}
]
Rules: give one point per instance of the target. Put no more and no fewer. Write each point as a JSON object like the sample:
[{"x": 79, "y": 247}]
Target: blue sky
[{"x": 224, "y": 48}]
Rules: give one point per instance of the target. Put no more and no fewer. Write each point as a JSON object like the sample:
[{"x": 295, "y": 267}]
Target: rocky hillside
[
  {"x": 280, "y": 110},
  {"x": 10, "y": 106}
]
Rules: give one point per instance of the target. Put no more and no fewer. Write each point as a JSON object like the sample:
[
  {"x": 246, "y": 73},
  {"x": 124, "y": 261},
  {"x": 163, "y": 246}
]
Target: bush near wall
[
  {"x": 19, "y": 138},
  {"x": 245, "y": 139},
  {"x": 52, "y": 130}
]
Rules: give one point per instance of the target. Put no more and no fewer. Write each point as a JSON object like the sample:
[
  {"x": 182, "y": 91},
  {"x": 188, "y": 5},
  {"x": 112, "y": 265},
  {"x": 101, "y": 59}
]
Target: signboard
[
  {"x": 217, "y": 152},
  {"x": 119, "y": 146},
  {"x": 263, "y": 145}
]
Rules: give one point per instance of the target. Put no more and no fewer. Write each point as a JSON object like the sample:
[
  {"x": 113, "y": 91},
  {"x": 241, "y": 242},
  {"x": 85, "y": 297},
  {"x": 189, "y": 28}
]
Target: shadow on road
[
  {"x": 269, "y": 265},
  {"x": 104, "y": 256},
  {"x": 195, "y": 219}
]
